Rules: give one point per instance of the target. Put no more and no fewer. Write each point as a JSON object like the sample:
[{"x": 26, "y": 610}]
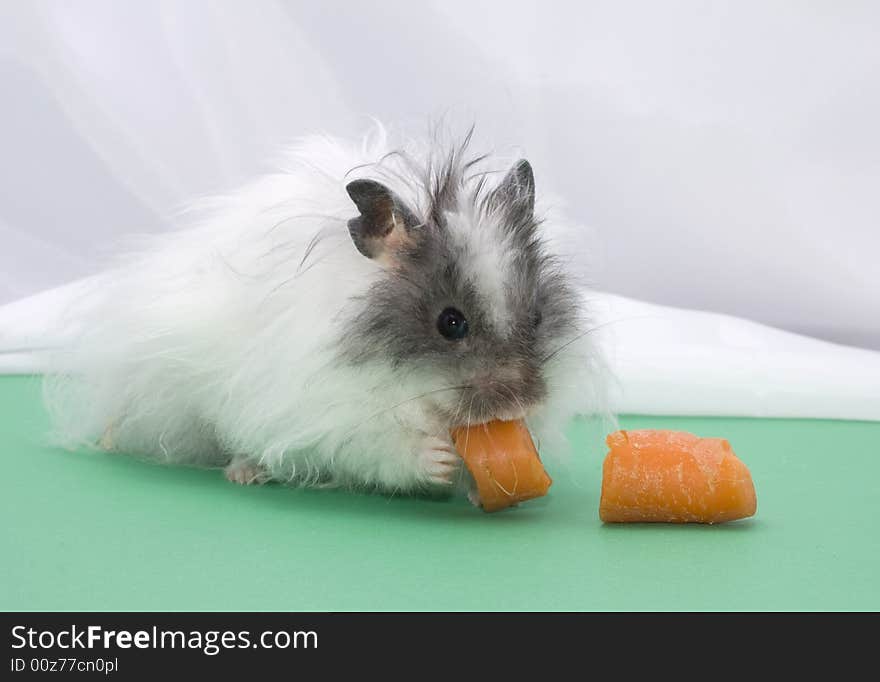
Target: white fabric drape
[{"x": 724, "y": 155}]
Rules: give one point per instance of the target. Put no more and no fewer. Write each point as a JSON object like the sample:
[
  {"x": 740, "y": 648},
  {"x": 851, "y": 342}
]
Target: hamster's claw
[
  {"x": 439, "y": 461},
  {"x": 244, "y": 472},
  {"x": 474, "y": 497}
]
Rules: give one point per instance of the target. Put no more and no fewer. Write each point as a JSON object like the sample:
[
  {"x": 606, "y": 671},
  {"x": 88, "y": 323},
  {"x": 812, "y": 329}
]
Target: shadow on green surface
[
  {"x": 743, "y": 525},
  {"x": 341, "y": 503}
]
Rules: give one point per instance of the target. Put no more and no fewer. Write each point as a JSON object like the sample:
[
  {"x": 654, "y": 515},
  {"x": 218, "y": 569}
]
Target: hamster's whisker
[
  {"x": 568, "y": 343},
  {"x": 470, "y": 407},
  {"x": 458, "y": 409},
  {"x": 409, "y": 400},
  {"x": 513, "y": 395},
  {"x": 565, "y": 345}
]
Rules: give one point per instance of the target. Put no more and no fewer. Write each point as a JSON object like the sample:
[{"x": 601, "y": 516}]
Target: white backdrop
[{"x": 726, "y": 156}]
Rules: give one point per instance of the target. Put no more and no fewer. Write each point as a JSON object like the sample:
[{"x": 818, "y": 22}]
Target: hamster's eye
[{"x": 452, "y": 324}]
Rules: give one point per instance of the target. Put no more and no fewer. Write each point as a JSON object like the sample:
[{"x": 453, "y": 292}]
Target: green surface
[{"x": 84, "y": 531}]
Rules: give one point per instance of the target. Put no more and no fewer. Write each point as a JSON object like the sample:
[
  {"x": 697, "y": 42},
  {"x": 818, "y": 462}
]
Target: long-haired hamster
[{"x": 328, "y": 324}]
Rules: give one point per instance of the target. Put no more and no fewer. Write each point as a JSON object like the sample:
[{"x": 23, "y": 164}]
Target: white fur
[
  {"x": 487, "y": 259},
  {"x": 216, "y": 343}
]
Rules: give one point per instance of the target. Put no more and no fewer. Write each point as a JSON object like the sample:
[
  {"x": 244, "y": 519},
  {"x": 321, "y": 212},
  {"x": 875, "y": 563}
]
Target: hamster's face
[{"x": 472, "y": 298}]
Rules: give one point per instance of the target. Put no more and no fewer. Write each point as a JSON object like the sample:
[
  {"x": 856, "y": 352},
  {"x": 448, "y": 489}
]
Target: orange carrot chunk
[
  {"x": 503, "y": 461},
  {"x": 673, "y": 477}
]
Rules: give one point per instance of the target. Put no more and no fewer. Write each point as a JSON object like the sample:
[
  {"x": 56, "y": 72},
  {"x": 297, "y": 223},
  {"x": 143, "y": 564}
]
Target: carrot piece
[
  {"x": 673, "y": 477},
  {"x": 503, "y": 461}
]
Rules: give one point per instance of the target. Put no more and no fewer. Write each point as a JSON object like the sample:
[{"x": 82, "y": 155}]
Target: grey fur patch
[{"x": 397, "y": 319}]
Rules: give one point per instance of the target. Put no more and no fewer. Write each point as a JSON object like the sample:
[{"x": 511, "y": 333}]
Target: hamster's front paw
[
  {"x": 244, "y": 472},
  {"x": 439, "y": 461}
]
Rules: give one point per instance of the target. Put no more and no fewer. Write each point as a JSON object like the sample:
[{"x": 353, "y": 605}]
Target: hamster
[{"x": 330, "y": 323}]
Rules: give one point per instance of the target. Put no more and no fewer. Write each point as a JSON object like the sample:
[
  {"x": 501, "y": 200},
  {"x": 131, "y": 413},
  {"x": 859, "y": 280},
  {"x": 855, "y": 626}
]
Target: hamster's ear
[
  {"x": 385, "y": 223},
  {"x": 516, "y": 193}
]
